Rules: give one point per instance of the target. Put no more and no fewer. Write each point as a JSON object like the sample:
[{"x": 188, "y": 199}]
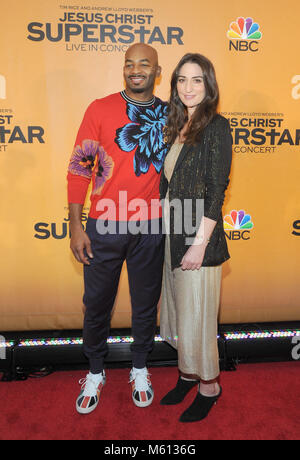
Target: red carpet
[{"x": 259, "y": 402}]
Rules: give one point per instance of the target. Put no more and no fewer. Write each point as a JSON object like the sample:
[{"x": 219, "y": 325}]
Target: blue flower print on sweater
[{"x": 145, "y": 133}]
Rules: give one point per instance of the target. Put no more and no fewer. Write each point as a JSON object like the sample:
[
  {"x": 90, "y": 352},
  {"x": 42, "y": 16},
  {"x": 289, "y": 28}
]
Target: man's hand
[
  {"x": 79, "y": 239},
  {"x": 79, "y": 242}
]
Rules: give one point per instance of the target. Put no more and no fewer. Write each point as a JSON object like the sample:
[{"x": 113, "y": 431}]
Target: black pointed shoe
[
  {"x": 178, "y": 393},
  {"x": 200, "y": 408}
]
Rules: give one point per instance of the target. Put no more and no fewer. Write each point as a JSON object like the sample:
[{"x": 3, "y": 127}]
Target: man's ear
[{"x": 158, "y": 71}]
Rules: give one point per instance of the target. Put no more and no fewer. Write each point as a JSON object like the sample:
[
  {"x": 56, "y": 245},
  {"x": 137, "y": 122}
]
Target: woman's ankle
[
  {"x": 209, "y": 388},
  {"x": 188, "y": 377}
]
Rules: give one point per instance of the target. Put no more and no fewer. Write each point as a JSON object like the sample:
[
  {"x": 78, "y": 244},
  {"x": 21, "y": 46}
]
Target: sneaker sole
[
  {"x": 143, "y": 403},
  {"x": 87, "y": 410}
]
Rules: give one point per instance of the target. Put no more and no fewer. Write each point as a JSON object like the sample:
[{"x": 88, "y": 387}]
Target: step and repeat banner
[{"x": 58, "y": 56}]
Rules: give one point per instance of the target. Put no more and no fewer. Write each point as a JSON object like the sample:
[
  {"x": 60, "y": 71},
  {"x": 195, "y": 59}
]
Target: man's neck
[
  {"x": 139, "y": 97},
  {"x": 128, "y": 99}
]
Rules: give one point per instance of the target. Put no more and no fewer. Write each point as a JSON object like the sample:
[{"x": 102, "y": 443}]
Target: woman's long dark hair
[{"x": 205, "y": 111}]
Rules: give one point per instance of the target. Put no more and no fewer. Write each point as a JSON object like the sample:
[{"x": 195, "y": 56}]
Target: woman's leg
[{"x": 197, "y": 303}]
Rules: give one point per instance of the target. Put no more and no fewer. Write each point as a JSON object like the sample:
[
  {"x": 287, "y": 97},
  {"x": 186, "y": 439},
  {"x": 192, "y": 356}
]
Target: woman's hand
[{"x": 193, "y": 258}]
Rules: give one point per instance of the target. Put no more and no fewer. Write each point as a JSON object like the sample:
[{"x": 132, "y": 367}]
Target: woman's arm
[
  {"x": 218, "y": 163},
  {"x": 193, "y": 258}
]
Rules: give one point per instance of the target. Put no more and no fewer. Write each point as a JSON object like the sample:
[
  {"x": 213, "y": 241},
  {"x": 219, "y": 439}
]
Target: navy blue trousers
[{"x": 143, "y": 254}]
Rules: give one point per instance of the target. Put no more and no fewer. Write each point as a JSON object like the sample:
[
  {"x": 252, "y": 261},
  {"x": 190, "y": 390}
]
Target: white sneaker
[
  {"x": 89, "y": 395},
  {"x": 142, "y": 391}
]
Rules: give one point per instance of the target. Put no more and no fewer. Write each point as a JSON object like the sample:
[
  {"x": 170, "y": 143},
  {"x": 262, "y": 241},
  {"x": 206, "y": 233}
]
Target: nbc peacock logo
[
  {"x": 237, "y": 225},
  {"x": 244, "y": 35}
]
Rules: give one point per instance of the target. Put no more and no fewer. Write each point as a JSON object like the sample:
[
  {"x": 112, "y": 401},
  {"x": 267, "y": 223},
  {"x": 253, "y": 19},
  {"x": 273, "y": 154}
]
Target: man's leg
[
  {"x": 144, "y": 264},
  {"x": 101, "y": 280}
]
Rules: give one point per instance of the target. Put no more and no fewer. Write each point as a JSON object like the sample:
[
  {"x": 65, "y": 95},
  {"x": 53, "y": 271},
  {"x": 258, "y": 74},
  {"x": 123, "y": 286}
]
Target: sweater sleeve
[
  {"x": 217, "y": 168},
  {"x": 84, "y": 155}
]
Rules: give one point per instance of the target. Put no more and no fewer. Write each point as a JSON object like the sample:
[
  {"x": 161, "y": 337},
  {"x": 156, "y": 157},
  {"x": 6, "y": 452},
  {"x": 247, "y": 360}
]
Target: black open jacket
[{"x": 201, "y": 172}]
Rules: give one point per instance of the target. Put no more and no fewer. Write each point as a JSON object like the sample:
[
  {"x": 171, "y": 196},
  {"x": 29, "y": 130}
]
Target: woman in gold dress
[{"x": 193, "y": 185}]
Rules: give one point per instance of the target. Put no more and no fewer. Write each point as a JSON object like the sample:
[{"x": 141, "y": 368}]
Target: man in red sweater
[{"x": 120, "y": 148}]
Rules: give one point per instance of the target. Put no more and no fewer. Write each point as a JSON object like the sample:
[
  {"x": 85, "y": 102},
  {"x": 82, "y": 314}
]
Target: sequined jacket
[{"x": 201, "y": 172}]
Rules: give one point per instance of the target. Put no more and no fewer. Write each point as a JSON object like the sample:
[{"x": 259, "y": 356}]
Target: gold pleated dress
[{"x": 190, "y": 305}]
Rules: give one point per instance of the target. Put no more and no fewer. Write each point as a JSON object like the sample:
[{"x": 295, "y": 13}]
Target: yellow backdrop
[{"x": 58, "y": 56}]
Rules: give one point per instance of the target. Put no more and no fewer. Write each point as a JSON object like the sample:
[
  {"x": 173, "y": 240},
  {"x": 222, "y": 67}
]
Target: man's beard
[{"x": 138, "y": 90}]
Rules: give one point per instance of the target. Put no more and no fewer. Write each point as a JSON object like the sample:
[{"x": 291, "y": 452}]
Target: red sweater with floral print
[{"x": 120, "y": 147}]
